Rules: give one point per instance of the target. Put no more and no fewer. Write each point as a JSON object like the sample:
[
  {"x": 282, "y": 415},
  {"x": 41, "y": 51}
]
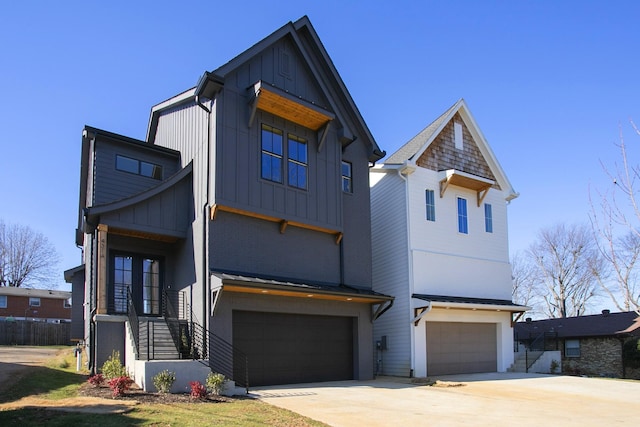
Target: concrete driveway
[{"x": 476, "y": 399}]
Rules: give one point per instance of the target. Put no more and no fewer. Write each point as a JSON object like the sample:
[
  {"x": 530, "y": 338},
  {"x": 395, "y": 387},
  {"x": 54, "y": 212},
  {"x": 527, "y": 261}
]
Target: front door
[{"x": 140, "y": 275}]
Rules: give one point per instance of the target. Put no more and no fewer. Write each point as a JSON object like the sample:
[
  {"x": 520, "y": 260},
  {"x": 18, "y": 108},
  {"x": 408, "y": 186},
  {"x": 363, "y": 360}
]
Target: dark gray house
[{"x": 238, "y": 233}]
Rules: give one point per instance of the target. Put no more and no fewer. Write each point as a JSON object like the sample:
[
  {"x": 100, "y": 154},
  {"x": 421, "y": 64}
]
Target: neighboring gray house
[{"x": 239, "y": 229}]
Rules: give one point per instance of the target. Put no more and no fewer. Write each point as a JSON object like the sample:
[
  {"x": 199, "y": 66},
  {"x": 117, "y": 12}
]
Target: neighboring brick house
[
  {"x": 589, "y": 345},
  {"x": 38, "y": 305}
]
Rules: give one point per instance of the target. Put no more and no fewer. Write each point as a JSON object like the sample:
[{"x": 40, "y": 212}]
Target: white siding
[
  {"x": 391, "y": 271},
  {"x": 447, "y": 262}
]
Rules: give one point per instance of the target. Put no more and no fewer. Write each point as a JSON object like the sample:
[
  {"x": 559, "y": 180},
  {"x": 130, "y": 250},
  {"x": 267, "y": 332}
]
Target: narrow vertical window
[
  {"x": 462, "y": 216},
  {"x": 271, "y": 154},
  {"x": 457, "y": 130},
  {"x": 151, "y": 286},
  {"x": 347, "y": 182},
  {"x": 3, "y": 301},
  {"x": 122, "y": 281},
  {"x": 488, "y": 218},
  {"x": 431, "y": 204},
  {"x": 297, "y": 161}
]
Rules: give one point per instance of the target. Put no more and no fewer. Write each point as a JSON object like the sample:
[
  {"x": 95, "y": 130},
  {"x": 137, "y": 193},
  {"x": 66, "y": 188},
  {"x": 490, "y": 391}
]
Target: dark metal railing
[
  {"x": 223, "y": 357},
  {"x": 177, "y": 329},
  {"x": 535, "y": 346},
  {"x": 191, "y": 339},
  {"x": 134, "y": 322}
]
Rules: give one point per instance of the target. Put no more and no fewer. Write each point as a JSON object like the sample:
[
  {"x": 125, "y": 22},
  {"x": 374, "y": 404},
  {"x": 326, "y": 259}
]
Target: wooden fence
[{"x": 22, "y": 332}]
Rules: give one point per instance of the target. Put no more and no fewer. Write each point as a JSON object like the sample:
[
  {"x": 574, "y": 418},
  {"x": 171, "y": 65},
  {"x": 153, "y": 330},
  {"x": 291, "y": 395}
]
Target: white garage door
[{"x": 461, "y": 348}]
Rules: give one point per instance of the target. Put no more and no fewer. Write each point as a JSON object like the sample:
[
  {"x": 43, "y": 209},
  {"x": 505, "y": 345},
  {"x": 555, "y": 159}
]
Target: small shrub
[
  {"x": 215, "y": 383},
  {"x": 112, "y": 368},
  {"x": 120, "y": 385},
  {"x": 96, "y": 380},
  {"x": 198, "y": 390},
  {"x": 164, "y": 380},
  {"x": 553, "y": 367}
]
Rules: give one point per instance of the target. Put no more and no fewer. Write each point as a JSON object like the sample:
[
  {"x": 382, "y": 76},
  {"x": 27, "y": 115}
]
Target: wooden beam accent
[
  {"x": 443, "y": 185},
  {"x": 215, "y": 208},
  {"x": 323, "y": 136},
  {"x": 482, "y": 194},
  {"x": 101, "y": 271},
  {"x": 513, "y": 321},
  {"x": 253, "y": 104},
  {"x": 303, "y": 293}
]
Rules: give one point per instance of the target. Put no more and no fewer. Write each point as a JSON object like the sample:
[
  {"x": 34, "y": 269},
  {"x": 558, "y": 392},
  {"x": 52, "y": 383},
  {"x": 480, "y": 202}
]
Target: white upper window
[{"x": 457, "y": 132}]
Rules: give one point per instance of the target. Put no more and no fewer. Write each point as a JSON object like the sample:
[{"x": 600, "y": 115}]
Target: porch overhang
[
  {"x": 469, "y": 303},
  {"x": 465, "y": 180},
  {"x": 284, "y": 104},
  {"x": 256, "y": 285}
]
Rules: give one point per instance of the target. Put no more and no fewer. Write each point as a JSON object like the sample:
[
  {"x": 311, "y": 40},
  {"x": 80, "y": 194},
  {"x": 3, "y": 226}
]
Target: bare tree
[
  {"x": 566, "y": 258},
  {"x": 524, "y": 291},
  {"x": 27, "y": 258},
  {"x": 616, "y": 223}
]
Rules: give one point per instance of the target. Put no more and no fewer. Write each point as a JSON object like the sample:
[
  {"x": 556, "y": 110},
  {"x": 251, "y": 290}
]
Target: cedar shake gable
[{"x": 434, "y": 148}]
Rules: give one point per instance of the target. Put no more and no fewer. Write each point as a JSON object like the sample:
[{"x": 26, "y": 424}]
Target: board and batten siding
[
  {"x": 110, "y": 184},
  {"x": 391, "y": 270},
  {"x": 447, "y": 262},
  {"x": 184, "y": 128}
]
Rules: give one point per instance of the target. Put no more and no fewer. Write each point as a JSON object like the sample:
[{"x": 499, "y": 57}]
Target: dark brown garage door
[
  {"x": 294, "y": 348},
  {"x": 461, "y": 348}
]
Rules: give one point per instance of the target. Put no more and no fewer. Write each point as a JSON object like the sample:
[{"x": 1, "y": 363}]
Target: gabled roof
[
  {"x": 597, "y": 325},
  {"x": 411, "y": 151},
  {"x": 309, "y": 46}
]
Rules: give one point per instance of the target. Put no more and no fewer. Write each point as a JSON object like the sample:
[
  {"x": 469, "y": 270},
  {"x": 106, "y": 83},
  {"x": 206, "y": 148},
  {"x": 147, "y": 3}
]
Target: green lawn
[{"x": 59, "y": 380}]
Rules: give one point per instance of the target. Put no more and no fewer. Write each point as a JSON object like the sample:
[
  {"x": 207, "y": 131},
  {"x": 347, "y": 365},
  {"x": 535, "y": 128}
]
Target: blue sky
[{"x": 550, "y": 83}]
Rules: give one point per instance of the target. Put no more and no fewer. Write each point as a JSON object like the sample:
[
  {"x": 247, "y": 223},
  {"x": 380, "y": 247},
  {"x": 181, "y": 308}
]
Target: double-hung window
[
  {"x": 430, "y": 201},
  {"x": 572, "y": 348},
  {"x": 488, "y": 218},
  {"x": 297, "y": 161},
  {"x": 271, "y": 153},
  {"x": 3, "y": 301},
  {"x": 34, "y": 302},
  {"x": 347, "y": 179},
  {"x": 463, "y": 226}
]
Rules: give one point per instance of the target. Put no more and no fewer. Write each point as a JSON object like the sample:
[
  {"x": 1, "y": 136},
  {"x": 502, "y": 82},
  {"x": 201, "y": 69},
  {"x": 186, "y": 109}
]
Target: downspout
[
  {"x": 94, "y": 304},
  {"x": 407, "y": 169},
  {"x": 205, "y": 232}
]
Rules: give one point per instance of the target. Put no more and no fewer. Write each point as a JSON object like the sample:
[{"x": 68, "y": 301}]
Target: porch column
[{"x": 101, "y": 270}]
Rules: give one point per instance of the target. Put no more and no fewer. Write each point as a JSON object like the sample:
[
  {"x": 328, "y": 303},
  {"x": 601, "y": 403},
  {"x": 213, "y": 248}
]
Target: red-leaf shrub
[
  {"x": 198, "y": 390},
  {"x": 96, "y": 380},
  {"x": 120, "y": 385}
]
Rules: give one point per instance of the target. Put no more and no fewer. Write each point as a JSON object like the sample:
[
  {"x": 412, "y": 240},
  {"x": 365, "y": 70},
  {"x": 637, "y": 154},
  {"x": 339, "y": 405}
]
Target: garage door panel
[
  {"x": 458, "y": 348},
  {"x": 287, "y": 348}
]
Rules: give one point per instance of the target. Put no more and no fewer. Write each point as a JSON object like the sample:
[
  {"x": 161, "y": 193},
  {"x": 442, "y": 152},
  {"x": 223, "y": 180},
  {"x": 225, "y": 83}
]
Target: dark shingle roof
[
  {"x": 605, "y": 324},
  {"x": 414, "y": 145}
]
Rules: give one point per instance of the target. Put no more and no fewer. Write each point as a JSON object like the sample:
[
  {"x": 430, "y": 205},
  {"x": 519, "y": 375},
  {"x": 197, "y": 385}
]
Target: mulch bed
[{"x": 142, "y": 396}]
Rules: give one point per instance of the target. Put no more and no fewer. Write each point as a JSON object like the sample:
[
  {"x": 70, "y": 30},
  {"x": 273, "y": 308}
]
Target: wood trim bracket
[{"x": 283, "y": 222}]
